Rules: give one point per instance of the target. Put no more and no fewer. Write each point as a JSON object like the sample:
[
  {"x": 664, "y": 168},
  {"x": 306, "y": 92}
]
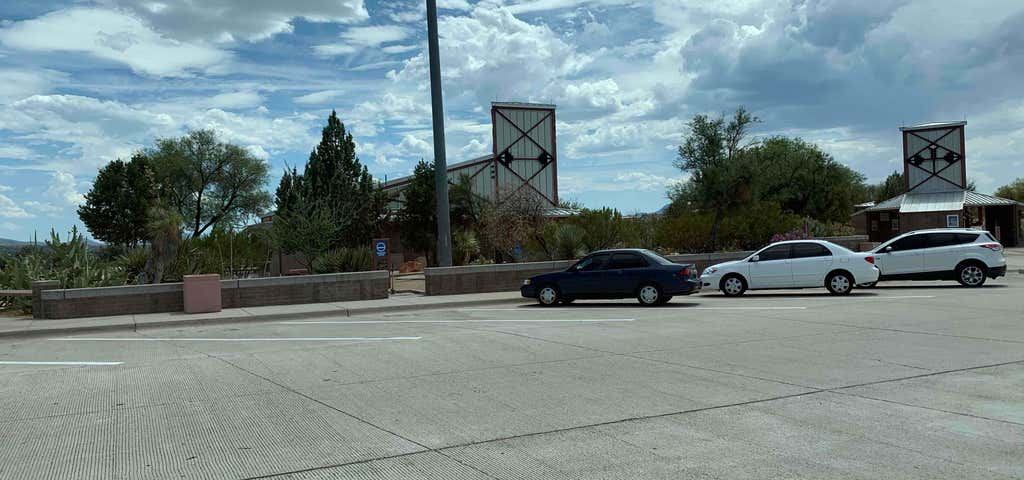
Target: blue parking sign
[{"x": 381, "y": 248}]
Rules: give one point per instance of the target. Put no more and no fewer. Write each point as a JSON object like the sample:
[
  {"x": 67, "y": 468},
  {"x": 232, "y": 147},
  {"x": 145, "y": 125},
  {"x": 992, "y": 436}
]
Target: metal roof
[
  {"x": 545, "y": 106},
  {"x": 451, "y": 168},
  {"x": 929, "y": 126},
  {"x": 932, "y": 202},
  {"x": 975, "y": 199},
  {"x": 938, "y": 202},
  {"x": 890, "y": 204}
]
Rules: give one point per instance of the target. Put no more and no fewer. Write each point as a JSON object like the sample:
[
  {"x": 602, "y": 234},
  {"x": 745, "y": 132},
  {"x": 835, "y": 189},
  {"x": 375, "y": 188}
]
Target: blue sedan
[{"x": 643, "y": 274}]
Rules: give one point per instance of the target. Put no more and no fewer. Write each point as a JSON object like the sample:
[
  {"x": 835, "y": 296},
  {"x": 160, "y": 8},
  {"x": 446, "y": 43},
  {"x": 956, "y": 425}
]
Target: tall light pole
[{"x": 444, "y": 228}]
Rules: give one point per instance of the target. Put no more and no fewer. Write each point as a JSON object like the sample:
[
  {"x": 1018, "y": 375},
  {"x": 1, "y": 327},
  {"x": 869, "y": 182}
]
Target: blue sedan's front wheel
[{"x": 548, "y": 295}]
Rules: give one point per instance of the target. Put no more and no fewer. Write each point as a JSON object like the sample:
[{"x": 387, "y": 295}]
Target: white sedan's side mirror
[
  {"x": 888, "y": 249},
  {"x": 755, "y": 258}
]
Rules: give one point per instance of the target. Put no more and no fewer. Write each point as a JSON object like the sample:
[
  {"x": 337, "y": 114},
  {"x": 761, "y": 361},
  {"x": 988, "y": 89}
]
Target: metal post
[{"x": 444, "y": 234}]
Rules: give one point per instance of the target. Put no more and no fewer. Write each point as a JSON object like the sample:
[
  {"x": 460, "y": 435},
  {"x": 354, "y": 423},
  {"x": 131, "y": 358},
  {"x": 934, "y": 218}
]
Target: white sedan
[{"x": 793, "y": 264}]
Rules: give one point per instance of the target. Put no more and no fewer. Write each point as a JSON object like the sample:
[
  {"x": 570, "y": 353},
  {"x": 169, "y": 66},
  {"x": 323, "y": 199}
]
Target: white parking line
[
  {"x": 282, "y": 339},
  {"x": 88, "y": 364},
  {"x": 903, "y": 296},
  {"x": 746, "y": 308},
  {"x": 590, "y": 309},
  {"x": 359, "y": 322}
]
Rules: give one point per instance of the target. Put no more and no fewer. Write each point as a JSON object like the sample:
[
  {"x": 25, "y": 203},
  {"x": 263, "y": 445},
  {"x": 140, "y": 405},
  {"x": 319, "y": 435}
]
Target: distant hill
[{"x": 10, "y": 245}]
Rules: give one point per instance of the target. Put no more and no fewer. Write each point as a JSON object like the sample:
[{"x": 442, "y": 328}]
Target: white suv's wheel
[
  {"x": 839, "y": 283},
  {"x": 548, "y": 295},
  {"x": 970, "y": 274}
]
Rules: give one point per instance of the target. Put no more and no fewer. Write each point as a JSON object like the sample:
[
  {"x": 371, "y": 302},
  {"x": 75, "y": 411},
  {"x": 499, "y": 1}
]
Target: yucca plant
[{"x": 344, "y": 260}]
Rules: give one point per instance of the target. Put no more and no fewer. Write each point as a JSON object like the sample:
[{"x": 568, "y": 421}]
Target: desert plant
[{"x": 344, "y": 260}]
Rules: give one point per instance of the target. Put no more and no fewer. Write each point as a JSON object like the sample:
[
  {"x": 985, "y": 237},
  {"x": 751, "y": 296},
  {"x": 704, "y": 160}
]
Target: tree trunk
[{"x": 715, "y": 227}]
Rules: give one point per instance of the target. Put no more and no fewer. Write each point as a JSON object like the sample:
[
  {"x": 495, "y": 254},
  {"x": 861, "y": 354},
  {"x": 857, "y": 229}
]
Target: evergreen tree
[
  {"x": 336, "y": 181},
  {"x": 333, "y": 203},
  {"x": 116, "y": 207},
  {"x": 418, "y": 215}
]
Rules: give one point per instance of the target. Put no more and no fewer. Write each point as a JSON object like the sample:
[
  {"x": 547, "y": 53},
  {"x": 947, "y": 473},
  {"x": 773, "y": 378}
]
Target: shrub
[{"x": 344, "y": 260}]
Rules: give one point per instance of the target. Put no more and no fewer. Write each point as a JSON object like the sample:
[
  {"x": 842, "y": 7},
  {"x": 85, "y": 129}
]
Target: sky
[{"x": 86, "y": 82}]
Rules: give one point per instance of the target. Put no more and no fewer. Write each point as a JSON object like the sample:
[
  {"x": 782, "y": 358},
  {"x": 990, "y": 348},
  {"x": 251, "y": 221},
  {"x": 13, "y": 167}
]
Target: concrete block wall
[
  {"x": 504, "y": 277},
  {"x": 508, "y": 277},
  {"x": 168, "y": 297}
]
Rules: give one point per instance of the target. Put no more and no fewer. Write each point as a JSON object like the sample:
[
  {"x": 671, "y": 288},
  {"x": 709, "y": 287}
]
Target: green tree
[
  {"x": 1013, "y": 191},
  {"x": 806, "y": 181},
  {"x": 721, "y": 177},
  {"x": 601, "y": 228},
  {"x": 335, "y": 180},
  {"x": 890, "y": 187},
  {"x": 417, "y": 215},
  {"x": 117, "y": 206},
  {"x": 208, "y": 182}
]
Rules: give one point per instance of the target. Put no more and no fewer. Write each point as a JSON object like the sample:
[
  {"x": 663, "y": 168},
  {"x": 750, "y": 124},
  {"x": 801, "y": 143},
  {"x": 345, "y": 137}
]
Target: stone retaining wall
[{"x": 168, "y": 297}]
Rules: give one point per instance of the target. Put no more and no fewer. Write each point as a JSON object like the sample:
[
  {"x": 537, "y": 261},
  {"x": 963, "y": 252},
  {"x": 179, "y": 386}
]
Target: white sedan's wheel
[
  {"x": 733, "y": 286},
  {"x": 839, "y": 283},
  {"x": 548, "y": 296},
  {"x": 648, "y": 295}
]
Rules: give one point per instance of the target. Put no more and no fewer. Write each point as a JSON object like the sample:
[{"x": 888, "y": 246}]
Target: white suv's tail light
[
  {"x": 869, "y": 259},
  {"x": 995, "y": 247}
]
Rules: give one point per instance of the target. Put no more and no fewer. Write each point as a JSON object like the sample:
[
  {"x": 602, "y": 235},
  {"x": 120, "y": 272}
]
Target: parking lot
[{"x": 908, "y": 380}]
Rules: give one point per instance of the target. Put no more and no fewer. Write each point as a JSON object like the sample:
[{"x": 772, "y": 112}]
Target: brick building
[{"x": 936, "y": 194}]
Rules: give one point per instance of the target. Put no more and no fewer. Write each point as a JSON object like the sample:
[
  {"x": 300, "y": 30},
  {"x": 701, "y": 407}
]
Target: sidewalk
[{"x": 22, "y": 326}]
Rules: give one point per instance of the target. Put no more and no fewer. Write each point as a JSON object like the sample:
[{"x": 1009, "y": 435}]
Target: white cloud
[
  {"x": 398, "y": 49},
  {"x": 276, "y": 134},
  {"x": 5, "y": 188},
  {"x": 91, "y": 132},
  {"x": 43, "y": 208},
  {"x": 64, "y": 188},
  {"x": 644, "y": 181},
  {"x": 372, "y": 36},
  {"x": 15, "y": 152},
  {"x": 235, "y": 100},
  {"x": 9, "y": 209},
  {"x": 480, "y": 51},
  {"x": 375, "y": 35},
  {"x": 318, "y": 98},
  {"x": 16, "y": 84},
  {"x": 115, "y": 37},
  {"x": 411, "y": 145},
  {"x": 230, "y": 20},
  {"x": 334, "y": 49}
]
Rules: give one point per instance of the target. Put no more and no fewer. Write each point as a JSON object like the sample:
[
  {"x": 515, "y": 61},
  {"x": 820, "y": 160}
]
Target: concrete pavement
[
  {"x": 403, "y": 302},
  {"x": 918, "y": 380}
]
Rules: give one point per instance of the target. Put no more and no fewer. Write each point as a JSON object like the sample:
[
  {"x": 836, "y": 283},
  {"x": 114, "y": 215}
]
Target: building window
[
  {"x": 952, "y": 221},
  {"x": 874, "y": 225},
  {"x": 884, "y": 216},
  {"x": 895, "y": 224}
]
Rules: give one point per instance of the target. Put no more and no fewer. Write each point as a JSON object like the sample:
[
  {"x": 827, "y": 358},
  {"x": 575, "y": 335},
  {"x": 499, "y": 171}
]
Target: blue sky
[{"x": 85, "y": 82}]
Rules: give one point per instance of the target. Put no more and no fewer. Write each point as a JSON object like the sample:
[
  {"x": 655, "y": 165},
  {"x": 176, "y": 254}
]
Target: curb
[{"x": 346, "y": 312}]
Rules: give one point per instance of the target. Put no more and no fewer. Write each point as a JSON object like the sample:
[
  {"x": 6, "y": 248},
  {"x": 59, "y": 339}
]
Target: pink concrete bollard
[{"x": 202, "y": 293}]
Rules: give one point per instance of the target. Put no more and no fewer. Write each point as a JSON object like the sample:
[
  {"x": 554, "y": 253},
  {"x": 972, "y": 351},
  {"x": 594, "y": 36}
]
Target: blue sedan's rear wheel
[
  {"x": 548, "y": 295},
  {"x": 649, "y": 295}
]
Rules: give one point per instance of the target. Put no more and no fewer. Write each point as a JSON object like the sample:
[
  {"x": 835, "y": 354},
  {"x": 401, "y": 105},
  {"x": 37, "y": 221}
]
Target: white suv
[{"x": 967, "y": 256}]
